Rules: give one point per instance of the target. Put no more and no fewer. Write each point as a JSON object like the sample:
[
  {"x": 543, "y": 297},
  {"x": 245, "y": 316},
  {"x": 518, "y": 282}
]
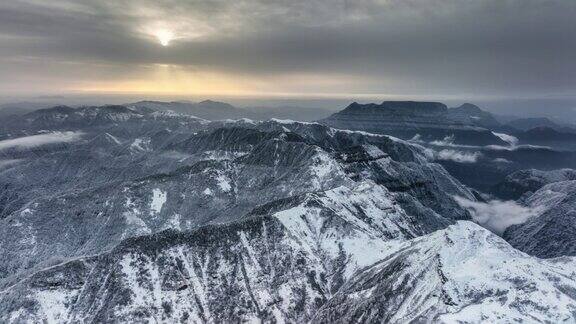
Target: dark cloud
[{"x": 437, "y": 47}]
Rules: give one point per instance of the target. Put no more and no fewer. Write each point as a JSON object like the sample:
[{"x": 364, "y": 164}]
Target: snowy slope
[
  {"x": 281, "y": 266},
  {"x": 461, "y": 274},
  {"x": 523, "y": 181},
  {"x": 552, "y": 232},
  {"x": 288, "y": 269}
]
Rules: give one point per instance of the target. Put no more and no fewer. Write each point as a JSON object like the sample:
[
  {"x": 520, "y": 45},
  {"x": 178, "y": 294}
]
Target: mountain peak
[
  {"x": 470, "y": 108},
  {"x": 213, "y": 103}
]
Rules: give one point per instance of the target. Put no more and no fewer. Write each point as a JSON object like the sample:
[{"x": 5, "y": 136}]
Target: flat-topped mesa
[
  {"x": 428, "y": 121},
  {"x": 413, "y": 108}
]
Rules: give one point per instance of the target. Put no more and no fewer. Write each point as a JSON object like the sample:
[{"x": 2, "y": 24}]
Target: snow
[
  {"x": 362, "y": 240},
  {"x": 250, "y": 251},
  {"x": 290, "y": 122},
  {"x": 480, "y": 261},
  {"x": 15, "y": 315},
  {"x": 113, "y": 139},
  {"x": 488, "y": 280},
  {"x": 511, "y": 140},
  {"x": 242, "y": 120},
  {"x": 174, "y": 222},
  {"x": 140, "y": 144},
  {"x": 53, "y": 304},
  {"x": 544, "y": 177},
  {"x": 158, "y": 200},
  {"x": 247, "y": 121},
  {"x": 348, "y": 131},
  {"x": 219, "y": 155},
  {"x": 323, "y": 164},
  {"x": 197, "y": 283},
  {"x": 223, "y": 182},
  {"x": 136, "y": 225},
  {"x": 353, "y": 228},
  {"x": 551, "y": 195},
  {"x": 485, "y": 278},
  {"x": 173, "y": 114},
  {"x": 138, "y": 293},
  {"x": 373, "y": 151}
]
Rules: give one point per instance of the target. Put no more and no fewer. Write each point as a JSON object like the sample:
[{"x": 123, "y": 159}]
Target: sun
[{"x": 164, "y": 37}]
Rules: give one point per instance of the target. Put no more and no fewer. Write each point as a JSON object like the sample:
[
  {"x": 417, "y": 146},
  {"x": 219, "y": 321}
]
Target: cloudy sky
[{"x": 325, "y": 48}]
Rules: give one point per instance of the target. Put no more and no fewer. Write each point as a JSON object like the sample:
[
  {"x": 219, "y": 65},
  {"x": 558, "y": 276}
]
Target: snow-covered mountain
[
  {"x": 552, "y": 232},
  {"x": 301, "y": 265},
  {"x": 463, "y": 274},
  {"x": 130, "y": 173},
  {"x": 214, "y": 110},
  {"x": 131, "y": 214},
  {"x": 520, "y": 182}
]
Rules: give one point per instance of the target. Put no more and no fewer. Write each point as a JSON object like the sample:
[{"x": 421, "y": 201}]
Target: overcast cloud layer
[{"x": 483, "y": 48}]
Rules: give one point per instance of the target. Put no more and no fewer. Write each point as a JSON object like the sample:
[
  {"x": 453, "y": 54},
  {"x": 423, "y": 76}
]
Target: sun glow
[
  {"x": 171, "y": 79},
  {"x": 164, "y": 37}
]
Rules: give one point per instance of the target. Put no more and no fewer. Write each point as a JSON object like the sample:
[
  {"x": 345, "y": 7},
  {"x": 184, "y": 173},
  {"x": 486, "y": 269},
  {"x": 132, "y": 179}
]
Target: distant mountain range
[
  {"x": 466, "y": 114},
  {"x": 214, "y": 110},
  {"x": 20, "y": 108},
  {"x": 525, "y": 124},
  {"x": 468, "y": 141},
  {"x": 433, "y": 121},
  {"x": 207, "y": 109}
]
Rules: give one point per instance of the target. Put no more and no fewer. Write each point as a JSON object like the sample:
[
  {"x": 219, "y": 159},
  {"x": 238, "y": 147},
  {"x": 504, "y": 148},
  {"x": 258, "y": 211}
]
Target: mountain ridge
[{"x": 149, "y": 215}]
